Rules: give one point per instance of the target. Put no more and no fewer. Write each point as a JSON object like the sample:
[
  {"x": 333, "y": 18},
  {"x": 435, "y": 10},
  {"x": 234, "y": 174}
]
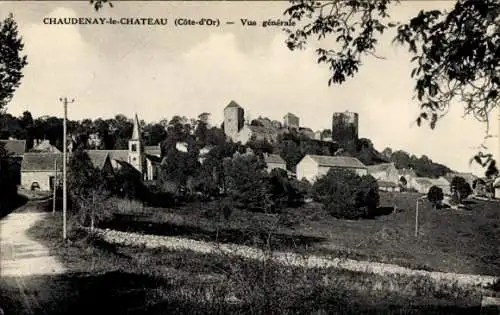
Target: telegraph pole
[
  {"x": 55, "y": 187},
  {"x": 65, "y": 162}
]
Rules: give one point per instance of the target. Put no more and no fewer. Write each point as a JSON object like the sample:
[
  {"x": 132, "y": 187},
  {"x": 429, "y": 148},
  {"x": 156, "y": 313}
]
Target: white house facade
[{"x": 311, "y": 167}]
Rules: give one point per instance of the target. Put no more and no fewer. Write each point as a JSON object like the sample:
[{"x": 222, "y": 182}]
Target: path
[
  {"x": 20, "y": 255},
  {"x": 287, "y": 258}
]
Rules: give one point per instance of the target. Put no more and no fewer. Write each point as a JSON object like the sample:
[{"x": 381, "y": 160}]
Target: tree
[
  {"x": 460, "y": 188},
  {"x": 403, "y": 183},
  {"x": 8, "y": 187},
  {"x": 27, "y": 124},
  {"x": 285, "y": 191},
  {"x": 346, "y": 195},
  {"x": 87, "y": 189},
  {"x": 246, "y": 183},
  {"x": 435, "y": 196},
  {"x": 154, "y": 134},
  {"x": 12, "y": 61},
  {"x": 455, "y": 52},
  {"x": 99, "y": 4}
]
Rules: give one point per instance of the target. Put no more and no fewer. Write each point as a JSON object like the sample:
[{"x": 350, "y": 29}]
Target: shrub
[
  {"x": 435, "y": 196},
  {"x": 247, "y": 184},
  {"x": 347, "y": 195},
  {"x": 460, "y": 188},
  {"x": 303, "y": 186},
  {"x": 285, "y": 191}
]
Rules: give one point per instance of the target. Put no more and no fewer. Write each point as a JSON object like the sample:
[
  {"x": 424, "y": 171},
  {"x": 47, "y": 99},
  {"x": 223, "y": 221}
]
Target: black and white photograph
[{"x": 249, "y": 157}]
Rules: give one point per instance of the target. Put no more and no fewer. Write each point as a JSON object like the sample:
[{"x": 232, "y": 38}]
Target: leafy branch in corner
[
  {"x": 455, "y": 53},
  {"x": 99, "y": 4},
  {"x": 355, "y": 24}
]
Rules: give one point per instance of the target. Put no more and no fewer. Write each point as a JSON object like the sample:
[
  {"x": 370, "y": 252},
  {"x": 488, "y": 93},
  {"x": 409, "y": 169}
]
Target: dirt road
[{"x": 20, "y": 255}]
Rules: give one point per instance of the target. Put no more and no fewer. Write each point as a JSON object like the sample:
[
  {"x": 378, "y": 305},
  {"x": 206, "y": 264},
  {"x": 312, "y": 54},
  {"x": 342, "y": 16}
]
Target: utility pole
[
  {"x": 65, "y": 162},
  {"x": 55, "y": 187}
]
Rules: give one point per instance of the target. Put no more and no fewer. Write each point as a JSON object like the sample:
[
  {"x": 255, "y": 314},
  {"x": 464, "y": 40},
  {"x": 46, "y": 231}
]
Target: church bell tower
[{"x": 136, "y": 148}]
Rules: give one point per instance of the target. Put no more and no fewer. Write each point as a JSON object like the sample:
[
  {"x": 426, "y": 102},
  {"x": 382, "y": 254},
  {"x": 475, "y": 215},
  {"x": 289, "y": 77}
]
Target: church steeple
[
  {"x": 136, "y": 133},
  {"x": 135, "y": 148}
]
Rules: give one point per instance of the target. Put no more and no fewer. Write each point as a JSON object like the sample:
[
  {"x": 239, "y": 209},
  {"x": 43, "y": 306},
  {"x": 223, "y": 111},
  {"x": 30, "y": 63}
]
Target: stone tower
[
  {"x": 345, "y": 127},
  {"x": 291, "y": 121},
  {"x": 136, "y": 148},
  {"x": 234, "y": 118}
]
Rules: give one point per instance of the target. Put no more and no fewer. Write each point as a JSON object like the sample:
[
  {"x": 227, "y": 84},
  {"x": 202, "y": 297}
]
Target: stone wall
[{"x": 41, "y": 177}]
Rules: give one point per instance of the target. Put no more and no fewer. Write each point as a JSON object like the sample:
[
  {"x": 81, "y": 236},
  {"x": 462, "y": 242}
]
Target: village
[
  {"x": 245, "y": 192},
  {"x": 39, "y": 165}
]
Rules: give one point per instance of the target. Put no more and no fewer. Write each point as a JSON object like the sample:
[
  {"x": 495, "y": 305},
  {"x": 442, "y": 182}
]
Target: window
[{"x": 134, "y": 147}]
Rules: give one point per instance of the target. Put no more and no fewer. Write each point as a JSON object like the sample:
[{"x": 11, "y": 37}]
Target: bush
[
  {"x": 347, "y": 195},
  {"x": 435, "y": 196},
  {"x": 285, "y": 191},
  {"x": 158, "y": 197},
  {"x": 460, "y": 188},
  {"x": 247, "y": 184}
]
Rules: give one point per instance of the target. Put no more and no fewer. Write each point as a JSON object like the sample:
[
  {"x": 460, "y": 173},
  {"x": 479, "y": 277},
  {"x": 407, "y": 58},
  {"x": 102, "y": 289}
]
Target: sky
[{"x": 162, "y": 71}]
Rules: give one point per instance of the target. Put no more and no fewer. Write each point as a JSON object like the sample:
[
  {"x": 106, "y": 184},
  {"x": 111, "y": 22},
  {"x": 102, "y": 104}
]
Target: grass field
[
  {"x": 107, "y": 279},
  {"x": 462, "y": 241}
]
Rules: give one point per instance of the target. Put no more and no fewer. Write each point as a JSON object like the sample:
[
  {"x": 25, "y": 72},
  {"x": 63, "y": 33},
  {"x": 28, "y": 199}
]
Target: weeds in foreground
[{"x": 220, "y": 283}]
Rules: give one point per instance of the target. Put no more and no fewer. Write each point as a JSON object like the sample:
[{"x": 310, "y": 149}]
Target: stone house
[
  {"x": 38, "y": 170},
  {"x": 274, "y": 161},
  {"x": 257, "y": 133},
  {"x": 423, "y": 184},
  {"x": 386, "y": 175},
  {"x": 442, "y": 183},
  {"x": 312, "y": 167},
  {"x": 408, "y": 175},
  {"x": 44, "y": 146}
]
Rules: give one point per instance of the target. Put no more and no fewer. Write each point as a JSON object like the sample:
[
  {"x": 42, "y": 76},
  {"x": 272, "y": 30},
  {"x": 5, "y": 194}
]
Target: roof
[
  {"x": 100, "y": 155},
  {"x": 379, "y": 167},
  {"x": 439, "y": 181},
  {"x": 337, "y": 161},
  {"x": 153, "y": 158},
  {"x": 46, "y": 147},
  {"x": 424, "y": 181},
  {"x": 136, "y": 132},
  {"x": 273, "y": 158},
  {"x": 16, "y": 147},
  {"x": 152, "y": 150},
  {"x": 407, "y": 171},
  {"x": 41, "y": 161},
  {"x": 233, "y": 104}
]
